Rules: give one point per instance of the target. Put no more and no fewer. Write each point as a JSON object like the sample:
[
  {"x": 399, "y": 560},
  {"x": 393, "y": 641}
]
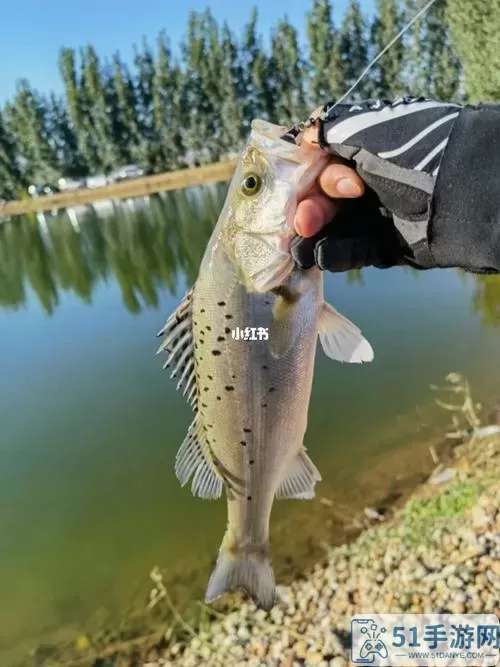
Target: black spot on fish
[
  {"x": 264, "y": 405},
  {"x": 216, "y": 353},
  {"x": 209, "y": 328},
  {"x": 221, "y": 338},
  {"x": 233, "y": 377},
  {"x": 218, "y": 398},
  {"x": 229, "y": 317},
  {"x": 243, "y": 442},
  {"x": 209, "y": 377},
  {"x": 202, "y": 342},
  {"x": 249, "y": 497},
  {"x": 203, "y": 405},
  {"x": 202, "y": 310},
  {"x": 229, "y": 387},
  {"x": 205, "y": 388},
  {"x": 271, "y": 389},
  {"x": 227, "y": 330},
  {"x": 264, "y": 367},
  {"x": 195, "y": 345},
  {"x": 221, "y": 303},
  {"x": 209, "y": 425},
  {"x": 247, "y": 430},
  {"x": 268, "y": 303},
  {"x": 195, "y": 322},
  {"x": 251, "y": 462}
]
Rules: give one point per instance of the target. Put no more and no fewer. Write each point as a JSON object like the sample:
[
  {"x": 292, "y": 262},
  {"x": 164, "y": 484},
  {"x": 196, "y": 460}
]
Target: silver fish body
[{"x": 251, "y": 398}]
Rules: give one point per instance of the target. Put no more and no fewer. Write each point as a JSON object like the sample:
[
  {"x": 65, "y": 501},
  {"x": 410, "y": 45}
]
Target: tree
[
  {"x": 386, "y": 75},
  {"x": 63, "y": 140},
  {"x": 100, "y": 112},
  {"x": 27, "y": 121},
  {"x": 258, "y": 101},
  {"x": 231, "y": 112},
  {"x": 324, "y": 81},
  {"x": 78, "y": 108},
  {"x": 475, "y": 26},
  {"x": 167, "y": 105},
  {"x": 126, "y": 108},
  {"x": 433, "y": 68},
  {"x": 11, "y": 178},
  {"x": 287, "y": 71},
  {"x": 353, "y": 50}
]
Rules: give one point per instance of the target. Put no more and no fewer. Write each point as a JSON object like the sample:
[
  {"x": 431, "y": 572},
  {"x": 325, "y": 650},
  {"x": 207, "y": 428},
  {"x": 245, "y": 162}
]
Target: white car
[{"x": 128, "y": 171}]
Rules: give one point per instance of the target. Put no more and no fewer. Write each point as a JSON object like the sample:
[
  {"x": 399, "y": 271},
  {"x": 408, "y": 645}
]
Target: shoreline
[{"x": 421, "y": 523}]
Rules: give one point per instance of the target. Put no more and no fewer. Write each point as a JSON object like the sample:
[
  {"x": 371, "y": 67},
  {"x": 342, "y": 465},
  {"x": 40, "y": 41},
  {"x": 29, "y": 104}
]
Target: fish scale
[{"x": 251, "y": 398}]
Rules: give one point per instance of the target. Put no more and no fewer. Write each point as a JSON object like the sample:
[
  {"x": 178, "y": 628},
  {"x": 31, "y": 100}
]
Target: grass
[{"x": 422, "y": 517}]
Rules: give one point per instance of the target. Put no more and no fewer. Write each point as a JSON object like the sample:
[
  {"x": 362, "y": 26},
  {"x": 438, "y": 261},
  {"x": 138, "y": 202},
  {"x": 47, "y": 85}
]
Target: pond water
[{"x": 90, "y": 424}]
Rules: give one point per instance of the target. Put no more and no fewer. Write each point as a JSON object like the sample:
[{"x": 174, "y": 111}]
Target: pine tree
[
  {"x": 63, "y": 140},
  {"x": 475, "y": 26},
  {"x": 386, "y": 76},
  {"x": 100, "y": 111},
  {"x": 231, "y": 112},
  {"x": 27, "y": 121},
  {"x": 324, "y": 82},
  {"x": 167, "y": 105},
  {"x": 287, "y": 71},
  {"x": 11, "y": 178},
  {"x": 78, "y": 107},
  {"x": 353, "y": 50},
  {"x": 433, "y": 68},
  {"x": 258, "y": 100},
  {"x": 126, "y": 107}
]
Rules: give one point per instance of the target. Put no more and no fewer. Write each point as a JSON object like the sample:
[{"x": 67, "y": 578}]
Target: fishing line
[{"x": 384, "y": 50}]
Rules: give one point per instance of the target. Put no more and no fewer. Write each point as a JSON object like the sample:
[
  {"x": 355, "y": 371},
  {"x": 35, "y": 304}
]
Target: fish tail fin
[{"x": 248, "y": 571}]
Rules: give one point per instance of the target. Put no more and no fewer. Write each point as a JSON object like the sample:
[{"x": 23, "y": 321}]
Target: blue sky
[{"x": 34, "y": 30}]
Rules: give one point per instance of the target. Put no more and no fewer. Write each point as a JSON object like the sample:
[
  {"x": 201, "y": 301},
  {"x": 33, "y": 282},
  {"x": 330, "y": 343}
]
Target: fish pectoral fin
[
  {"x": 194, "y": 460},
  {"x": 282, "y": 333},
  {"x": 341, "y": 339},
  {"x": 178, "y": 343},
  {"x": 300, "y": 479}
]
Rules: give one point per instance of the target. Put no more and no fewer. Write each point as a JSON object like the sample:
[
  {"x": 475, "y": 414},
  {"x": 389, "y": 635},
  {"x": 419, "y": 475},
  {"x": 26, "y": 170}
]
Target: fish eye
[{"x": 251, "y": 184}]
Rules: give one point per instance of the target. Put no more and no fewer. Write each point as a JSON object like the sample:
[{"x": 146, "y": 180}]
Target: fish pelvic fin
[
  {"x": 243, "y": 569},
  {"x": 341, "y": 339}
]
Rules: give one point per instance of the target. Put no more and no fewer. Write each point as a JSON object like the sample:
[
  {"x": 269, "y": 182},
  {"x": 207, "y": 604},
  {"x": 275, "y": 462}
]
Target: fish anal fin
[
  {"x": 194, "y": 460},
  {"x": 341, "y": 339},
  {"x": 300, "y": 479}
]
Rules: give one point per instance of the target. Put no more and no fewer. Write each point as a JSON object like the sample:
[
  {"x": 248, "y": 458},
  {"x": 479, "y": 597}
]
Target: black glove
[{"x": 396, "y": 148}]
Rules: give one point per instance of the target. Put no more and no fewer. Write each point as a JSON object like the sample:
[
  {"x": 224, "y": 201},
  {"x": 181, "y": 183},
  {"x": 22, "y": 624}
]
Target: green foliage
[
  {"x": 188, "y": 104},
  {"x": 475, "y": 28},
  {"x": 422, "y": 517}
]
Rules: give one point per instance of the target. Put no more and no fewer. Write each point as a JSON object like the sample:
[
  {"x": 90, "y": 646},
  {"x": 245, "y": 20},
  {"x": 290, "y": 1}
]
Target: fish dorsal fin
[
  {"x": 300, "y": 479},
  {"x": 194, "y": 460},
  {"x": 178, "y": 343},
  {"x": 341, "y": 339}
]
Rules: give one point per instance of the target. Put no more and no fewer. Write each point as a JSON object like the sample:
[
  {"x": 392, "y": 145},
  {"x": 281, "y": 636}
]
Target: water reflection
[{"x": 142, "y": 247}]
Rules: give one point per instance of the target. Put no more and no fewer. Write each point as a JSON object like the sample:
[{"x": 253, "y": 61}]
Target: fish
[{"x": 251, "y": 397}]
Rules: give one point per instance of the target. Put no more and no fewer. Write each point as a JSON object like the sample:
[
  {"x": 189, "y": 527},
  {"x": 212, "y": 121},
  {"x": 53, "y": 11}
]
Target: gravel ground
[{"x": 441, "y": 553}]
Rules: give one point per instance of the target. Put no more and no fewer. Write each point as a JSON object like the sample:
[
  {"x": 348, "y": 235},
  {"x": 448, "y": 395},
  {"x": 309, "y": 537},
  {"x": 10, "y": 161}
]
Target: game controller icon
[{"x": 373, "y": 647}]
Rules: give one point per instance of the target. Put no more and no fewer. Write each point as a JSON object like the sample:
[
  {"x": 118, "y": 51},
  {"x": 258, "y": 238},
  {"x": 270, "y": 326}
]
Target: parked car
[
  {"x": 126, "y": 172},
  {"x": 97, "y": 181},
  {"x": 68, "y": 184}
]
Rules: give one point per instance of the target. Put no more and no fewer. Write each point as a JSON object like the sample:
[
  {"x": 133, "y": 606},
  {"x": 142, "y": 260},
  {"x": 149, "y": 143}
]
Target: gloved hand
[{"x": 396, "y": 148}]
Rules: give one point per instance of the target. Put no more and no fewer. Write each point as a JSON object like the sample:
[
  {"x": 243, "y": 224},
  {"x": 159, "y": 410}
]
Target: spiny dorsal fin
[
  {"x": 178, "y": 343},
  {"x": 194, "y": 460},
  {"x": 300, "y": 479}
]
